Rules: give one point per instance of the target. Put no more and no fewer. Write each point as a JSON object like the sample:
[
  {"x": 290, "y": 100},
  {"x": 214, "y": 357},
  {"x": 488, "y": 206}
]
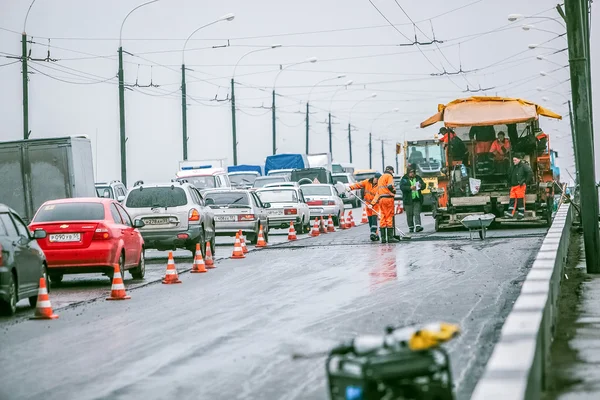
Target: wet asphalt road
[{"x": 229, "y": 333}]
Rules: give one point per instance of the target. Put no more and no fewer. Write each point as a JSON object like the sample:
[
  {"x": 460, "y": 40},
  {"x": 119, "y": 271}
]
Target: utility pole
[
  {"x": 574, "y": 139},
  {"x": 397, "y": 169},
  {"x": 184, "y": 112},
  {"x": 350, "y": 142},
  {"x": 25, "y": 86},
  {"x": 122, "y": 119},
  {"x": 382, "y": 157},
  {"x": 233, "y": 132},
  {"x": 330, "y": 137},
  {"x": 307, "y": 152},
  {"x": 370, "y": 152},
  {"x": 578, "y": 35},
  {"x": 274, "y": 131}
]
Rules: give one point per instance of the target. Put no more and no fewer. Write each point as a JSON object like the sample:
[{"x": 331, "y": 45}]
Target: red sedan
[{"x": 89, "y": 235}]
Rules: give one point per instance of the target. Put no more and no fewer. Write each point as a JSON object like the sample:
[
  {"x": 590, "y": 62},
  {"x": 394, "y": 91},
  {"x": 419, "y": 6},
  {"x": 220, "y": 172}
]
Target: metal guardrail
[{"x": 517, "y": 368}]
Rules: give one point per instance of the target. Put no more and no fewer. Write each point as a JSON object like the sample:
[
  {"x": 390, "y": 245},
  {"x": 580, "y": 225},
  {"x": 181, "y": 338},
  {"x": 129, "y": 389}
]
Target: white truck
[{"x": 36, "y": 170}]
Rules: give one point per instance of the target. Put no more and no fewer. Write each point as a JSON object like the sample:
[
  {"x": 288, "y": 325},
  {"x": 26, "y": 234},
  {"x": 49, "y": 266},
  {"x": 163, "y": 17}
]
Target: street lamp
[
  {"x": 348, "y": 83},
  {"x": 542, "y": 58},
  {"x": 123, "y": 141},
  {"x": 515, "y": 17},
  {"x": 273, "y": 110},
  {"x": 233, "y": 120},
  {"x": 537, "y": 46},
  {"x": 371, "y": 135},
  {"x": 371, "y": 96},
  {"x": 541, "y": 89},
  {"x": 533, "y": 27},
  {"x": 226, "y": 17},
  {"x": 307, "y": 105}
]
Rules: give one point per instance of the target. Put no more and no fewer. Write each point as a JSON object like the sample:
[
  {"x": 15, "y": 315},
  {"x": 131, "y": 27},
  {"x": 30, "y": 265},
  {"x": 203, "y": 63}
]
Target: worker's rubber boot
[
  {"x": 384, "y": 238},
  {"x": 391, "y": 237},
  {"x": 373, "y": 237}
]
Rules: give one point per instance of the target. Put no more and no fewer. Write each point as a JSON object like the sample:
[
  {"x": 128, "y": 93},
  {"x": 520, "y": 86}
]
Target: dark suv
[{"x": 22, "y": 262}]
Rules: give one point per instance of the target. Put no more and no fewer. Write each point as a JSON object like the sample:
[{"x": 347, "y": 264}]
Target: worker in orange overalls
[
  {"x": 370, "y": 188},
  {"x": 385, "y": 199},
  {"x": 520, "y": 175}
]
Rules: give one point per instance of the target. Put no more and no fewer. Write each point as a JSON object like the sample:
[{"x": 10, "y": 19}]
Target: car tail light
[
  {"x": 246, "y": 217},
  {"x": 314, "y": 202},
  {"x": 102, "y": 233},
  {"x": 330, "y": 203},
  {"x": 290, "y": 211},
  {"x": 182, "y": 236},
  {"x": 193, "y": 215}
]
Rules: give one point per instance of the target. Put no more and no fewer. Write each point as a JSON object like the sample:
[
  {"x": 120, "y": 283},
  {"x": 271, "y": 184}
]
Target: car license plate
[
  {"x": 225, "y": 218},
  {"x": 65, "y": 237},
  {"x": 275, "y": 212},
  {"x": 156, "y": 221}
]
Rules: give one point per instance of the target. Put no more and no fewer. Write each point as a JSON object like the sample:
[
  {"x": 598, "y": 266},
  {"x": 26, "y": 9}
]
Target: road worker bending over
[
  {"x": 370, "y": 188},
  {"x": 385, "y": 199}
]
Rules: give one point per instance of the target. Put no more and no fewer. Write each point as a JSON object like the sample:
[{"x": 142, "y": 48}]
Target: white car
[
  {"x": 323, "y": 201},
  {"x": 287, "y": 205}
]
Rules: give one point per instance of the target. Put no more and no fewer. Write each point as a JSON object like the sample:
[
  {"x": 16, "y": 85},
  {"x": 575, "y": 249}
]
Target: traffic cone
[
  {"x": 208, "y": 260},
  {"x": 349, "y": 221},
  {"x": 171, "y": 275},
  {"x": 322, "y": 226},
  {"x": 292, "y": 232},
  {"x": 261, "y": 242},
  {"x": 365, "y": 217},
  {"x": 343, "y": 221},
  {"x": 243, "y": 242},
  {"x": 238, "y": 252},
  {"x": 330, "y": 227},
  {"x": 117, "y": 291},
  {"x": 315, "y": 230},
  {"x": 352, "y": 223},
  {"x": 43, "y": 308},
  {"x": 198, "y": 266}
]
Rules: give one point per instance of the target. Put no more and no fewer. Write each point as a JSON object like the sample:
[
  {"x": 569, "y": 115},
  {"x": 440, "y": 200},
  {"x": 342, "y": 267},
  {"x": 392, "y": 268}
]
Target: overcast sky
[{"x": 78, "y": 93}]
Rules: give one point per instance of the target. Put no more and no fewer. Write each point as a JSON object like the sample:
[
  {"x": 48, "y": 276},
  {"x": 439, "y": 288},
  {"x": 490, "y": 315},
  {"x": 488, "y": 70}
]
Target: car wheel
[
  {"x": 10, "y": 307},
  {"x": 140, "y": 271},
  {"x": 56, "y": 279},
  {"x": 266, "y": 234},
  {"x": 111, "y": 275}
]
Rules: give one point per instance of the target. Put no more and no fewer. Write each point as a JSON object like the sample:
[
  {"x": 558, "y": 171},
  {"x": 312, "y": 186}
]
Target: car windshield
[
  {"x": 104, "y": 191},
  {"x": 70, "y": 212},
  {"x": 278, "y": 196},
  {"x": 341, "y": 178},
  {"x": 242, "y": 179},
  {"x": 201, "y": 182},
  {"x": 156, "y": 197},
  {"x": 426, "y": 156},
  {"x": 261, "y": 182},
  {"x": 229, "y": 199},
  {"x": 309, "y": 190}
]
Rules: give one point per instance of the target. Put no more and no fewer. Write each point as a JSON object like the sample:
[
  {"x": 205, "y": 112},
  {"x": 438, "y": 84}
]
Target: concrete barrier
[{"x": 517, "y": 368}]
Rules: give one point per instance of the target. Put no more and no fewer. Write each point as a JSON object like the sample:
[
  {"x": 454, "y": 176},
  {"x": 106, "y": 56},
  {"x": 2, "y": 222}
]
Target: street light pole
[
  {"x": 382, "y": 157},
  {"x": 330, "y": 137},
  {"x": 24, "y": 57},
  {"x": 233, "y": 119},
  {"x": 123, "y": 136},
  {"x": 310, "y": 60},
  {"x": 574, "y": 140},
  {"x": 307, "y": 106},
  {"x": 370, "y": 150},
  {"x": 350, "y": 142},
  {"x": 577, "y": 14},
  {"x": 227, "y": 17},
  {"x": 372, "y": 95}
]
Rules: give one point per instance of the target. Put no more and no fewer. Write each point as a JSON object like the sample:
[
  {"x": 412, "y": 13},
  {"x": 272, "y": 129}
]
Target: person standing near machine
[
  {"x": 385, "y": 199},
  {"x": 411, "y": 186},
  {"x": 370, "y": 187},
  {"x": 520, "y": 175}
]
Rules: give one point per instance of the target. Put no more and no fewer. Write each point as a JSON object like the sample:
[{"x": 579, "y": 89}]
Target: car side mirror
[
  {"x": 120, "y": 199},
  {"x": 39, "y": 234},
  {"x": 138, "y": 223},
  {"x": 267, "y": 205}
]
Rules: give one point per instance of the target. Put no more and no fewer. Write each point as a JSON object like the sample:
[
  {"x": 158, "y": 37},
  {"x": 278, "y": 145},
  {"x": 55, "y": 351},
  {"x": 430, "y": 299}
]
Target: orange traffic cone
[
  {"x": 342, "y": 222},
  {"x": 171, "y": 275},
  {"x": 43, "y": 308},
  {"x": 243, "y": 242},
  {"x": 322, "y": 226},
  {"x": 238, "y": 252},
  {"x": 330, "y": 227},
  {"x": 208, "y": 260},
  {"x": 198, "y": 266},
  {"x": 365, "y": 217},
  {"x": 292, "y": 232},
  {"x": 349, "y": 221},
  {"x": 315, "y": 230},
  {"x": 261, "y": 242},
  {"x": 117, "y": 292},
  {"x": 352, "y": 223}
]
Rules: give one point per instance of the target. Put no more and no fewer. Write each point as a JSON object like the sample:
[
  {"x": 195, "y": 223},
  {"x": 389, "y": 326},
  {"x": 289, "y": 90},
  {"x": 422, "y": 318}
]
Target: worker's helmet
[
  {"x": 389, "y": 168},
  {"x": 377, "y": 175}
]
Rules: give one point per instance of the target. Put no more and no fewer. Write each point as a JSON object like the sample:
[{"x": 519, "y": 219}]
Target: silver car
[
  {"x": 237, "y": 210},
  {"x": 323, "y": 201},
  {"x": 355, "y": 195},
  {"x": 287, "y": 205},
  {"x": 174, "y": 214}
]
